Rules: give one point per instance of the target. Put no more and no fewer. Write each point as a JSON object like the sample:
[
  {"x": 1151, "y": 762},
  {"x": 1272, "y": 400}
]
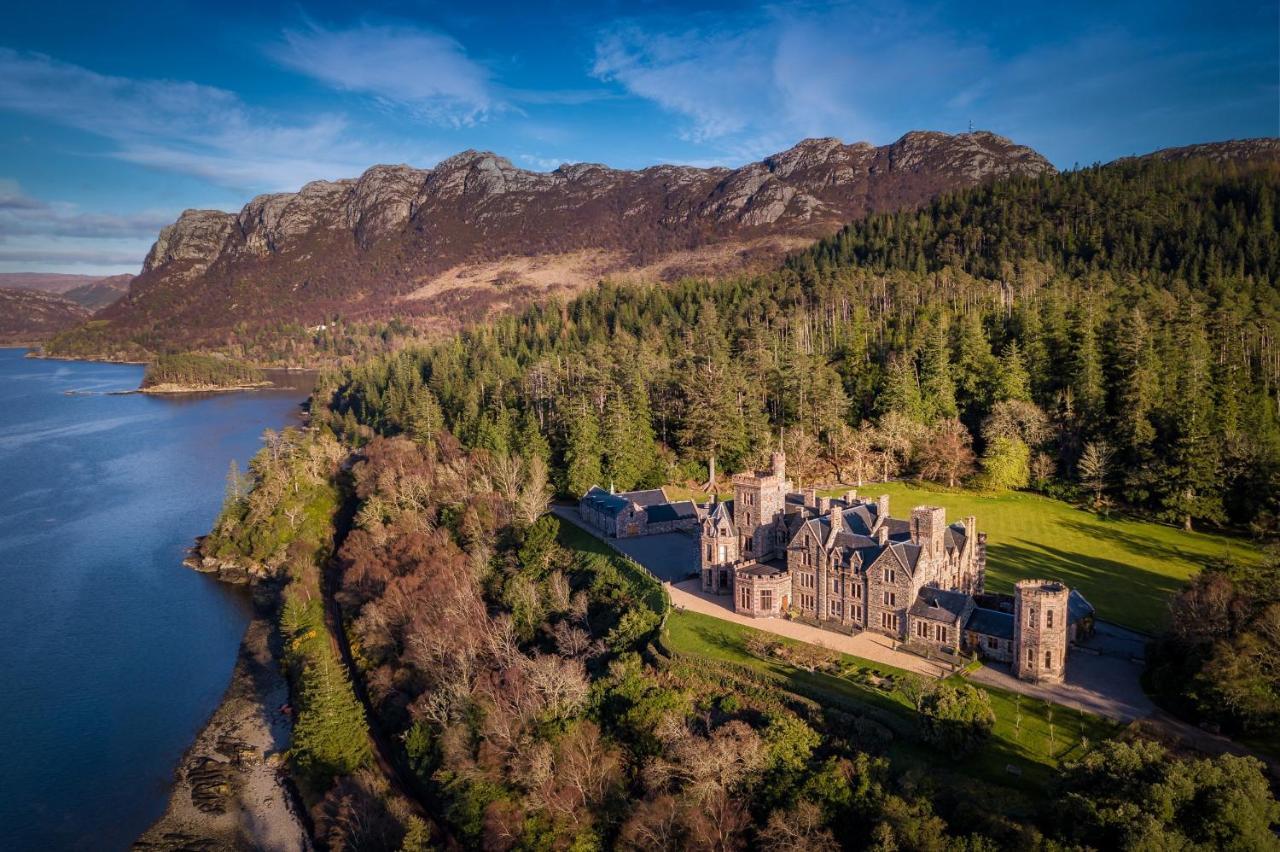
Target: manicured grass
[
  {"x": 1030, "y": 735},
  {"x": 1127, "y": 569}
]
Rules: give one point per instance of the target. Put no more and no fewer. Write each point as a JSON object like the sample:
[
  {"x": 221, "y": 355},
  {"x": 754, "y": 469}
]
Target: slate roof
[
  {"x": 1077, "y": 607},
  {"x": 604, "y": 502},
  {"x": 670, "y": 511},
  {"x": 939, "y": 605},
  {"x": 990, "y": 622},
  {"x": 649, "y": 497}
]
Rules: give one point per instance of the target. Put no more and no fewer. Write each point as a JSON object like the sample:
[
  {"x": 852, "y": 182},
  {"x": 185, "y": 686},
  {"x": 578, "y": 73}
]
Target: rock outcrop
[{"x": 398, "y": 240}]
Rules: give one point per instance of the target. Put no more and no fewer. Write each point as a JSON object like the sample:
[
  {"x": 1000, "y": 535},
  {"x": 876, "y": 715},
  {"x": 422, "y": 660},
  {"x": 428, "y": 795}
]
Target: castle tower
[
  {"x": 1040, "y": 630},
  {"x": 759, "y": 499},
  {"x": 928, "y": 528},
  {"x": 718, "y": 549}
]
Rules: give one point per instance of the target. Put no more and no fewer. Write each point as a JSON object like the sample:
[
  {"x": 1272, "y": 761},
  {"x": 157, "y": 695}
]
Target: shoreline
[
  {"x": 169, "y": 389},
  {"x": 230, "y": 788}
]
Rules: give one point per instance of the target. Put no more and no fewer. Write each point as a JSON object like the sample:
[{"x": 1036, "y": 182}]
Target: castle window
[
  {"x": 942, "y": 633},
  {"x": 857, "y": 591},
  {"x": 1048, "y": 659},
  {"x": 890, "y": 576},
  {"x": 890, "y": 598},
  {"x": 746, "y": 598},
  {"x": 766, "y": 599},
  {"x": 724, "y": 553},
  {"x": 1031, "y": 656},
  {"x": 993, "y": 643},
  {"x": 922, "y": 629},
  {"x": 837, "y": 608},
  {"x": 889, "y": 620},
  {"x": 1048, "y": 620},
  {"x": 710, "y": 556}
]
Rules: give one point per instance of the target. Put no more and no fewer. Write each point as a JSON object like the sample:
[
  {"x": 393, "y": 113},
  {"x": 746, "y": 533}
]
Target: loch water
[{"x": 112, "y": 654}]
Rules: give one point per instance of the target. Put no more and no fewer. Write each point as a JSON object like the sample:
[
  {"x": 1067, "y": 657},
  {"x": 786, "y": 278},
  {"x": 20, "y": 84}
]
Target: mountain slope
[
  {"x": 27, "y": 316},
  {"x": 475, "y": 234},
  {"x": 91, "y": 291},
  {"x": 100, "y": 292}
]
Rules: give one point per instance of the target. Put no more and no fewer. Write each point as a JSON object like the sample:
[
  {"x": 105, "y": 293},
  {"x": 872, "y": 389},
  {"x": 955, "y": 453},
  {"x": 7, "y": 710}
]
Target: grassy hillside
[{"x": 1128, "y": 569}]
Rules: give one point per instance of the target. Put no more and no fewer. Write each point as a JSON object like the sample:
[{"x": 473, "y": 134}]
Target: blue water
[{"x": 112, "y": 654}]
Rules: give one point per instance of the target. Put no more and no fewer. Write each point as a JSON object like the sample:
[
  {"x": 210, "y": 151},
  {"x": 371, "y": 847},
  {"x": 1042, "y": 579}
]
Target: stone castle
[{"x": 846, "y": 564}]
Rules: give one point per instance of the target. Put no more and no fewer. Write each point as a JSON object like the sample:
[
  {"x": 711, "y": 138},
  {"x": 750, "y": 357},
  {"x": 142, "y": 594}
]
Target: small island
[{"x": 192, "y": 373}]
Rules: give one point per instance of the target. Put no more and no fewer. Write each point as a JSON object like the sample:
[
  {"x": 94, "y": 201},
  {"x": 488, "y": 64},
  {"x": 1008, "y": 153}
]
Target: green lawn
[
  {"x": 1022, "y": 737},
  {"x": 1126, "y": 568}
]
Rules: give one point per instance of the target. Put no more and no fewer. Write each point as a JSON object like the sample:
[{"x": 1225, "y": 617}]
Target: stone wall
[{"x": 1040, "y": 630}]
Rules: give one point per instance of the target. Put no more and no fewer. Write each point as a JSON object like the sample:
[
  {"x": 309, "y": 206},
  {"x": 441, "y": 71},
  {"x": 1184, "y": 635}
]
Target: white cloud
[
  {"x": 22, "y": 215},
  {"x": 426, "y": 71},
  {"x": 816, "y": 70},
  {"x": 185, "y": 127},
  {"x": 863, "y": 71}
]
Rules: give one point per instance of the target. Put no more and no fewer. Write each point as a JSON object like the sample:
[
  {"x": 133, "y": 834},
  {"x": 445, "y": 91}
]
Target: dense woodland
[
  {"x": 519, "y": 669},
  {"x": 1109, "y": 334},
  {"x": 1220, "y": 661},
  {"x": 200, "y": 371}
]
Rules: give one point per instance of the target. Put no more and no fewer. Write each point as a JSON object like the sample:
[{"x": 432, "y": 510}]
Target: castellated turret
[{"x": 1040, "y": 630}]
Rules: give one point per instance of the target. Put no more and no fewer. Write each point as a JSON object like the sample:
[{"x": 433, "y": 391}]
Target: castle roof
[
  {"x": 670, "y": 511},
  {"x": 605, "y": 502},
  {"x": 990, "y": 622},
  {"x": 939, "y": 605},
  {"x": 1077, "y": 607}
]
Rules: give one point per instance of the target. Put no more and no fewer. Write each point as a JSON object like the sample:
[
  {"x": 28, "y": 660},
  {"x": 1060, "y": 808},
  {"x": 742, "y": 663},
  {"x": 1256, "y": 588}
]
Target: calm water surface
[{"x": 112, "y": 654}]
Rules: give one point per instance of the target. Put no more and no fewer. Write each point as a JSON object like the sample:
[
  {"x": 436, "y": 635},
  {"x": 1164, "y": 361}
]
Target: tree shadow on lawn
[
  {"x": 1122, "y": 592},
  {"x": 1147, "y": 545}
]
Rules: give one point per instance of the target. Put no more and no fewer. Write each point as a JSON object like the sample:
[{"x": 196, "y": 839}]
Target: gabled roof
[
  {"x": 939, "y": 605},
  {"x": 990, "y": 622},
  {"x": 671, "y": 511},
  {"x": 1077, "y": 607},
  {"x": 648, "y": 497},
  {"x": 604, "y": 502}
]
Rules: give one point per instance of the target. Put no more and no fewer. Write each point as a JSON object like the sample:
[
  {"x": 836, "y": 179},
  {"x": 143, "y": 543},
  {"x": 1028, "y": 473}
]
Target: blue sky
[{"x": 115, "y": 117}]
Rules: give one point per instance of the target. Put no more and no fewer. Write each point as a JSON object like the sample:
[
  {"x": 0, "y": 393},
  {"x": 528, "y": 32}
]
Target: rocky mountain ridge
[{"x": 476, "y": 234}]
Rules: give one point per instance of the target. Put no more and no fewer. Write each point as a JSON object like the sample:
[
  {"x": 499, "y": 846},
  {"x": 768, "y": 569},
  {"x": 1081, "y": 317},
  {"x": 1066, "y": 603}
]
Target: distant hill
[
  {"x": 476, "y": 235},
  {"x": 91, "y": 291},
  {"x": 30, "y": 316},
  {"x": 97, "y": 294}
]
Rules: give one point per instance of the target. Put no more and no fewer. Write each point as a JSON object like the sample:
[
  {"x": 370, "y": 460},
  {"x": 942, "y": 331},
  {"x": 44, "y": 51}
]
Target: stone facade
[
  {"x": 844, "y": 563},
  {"x": 1040, "y": 619},
  {"x": 636, "y": 513}
]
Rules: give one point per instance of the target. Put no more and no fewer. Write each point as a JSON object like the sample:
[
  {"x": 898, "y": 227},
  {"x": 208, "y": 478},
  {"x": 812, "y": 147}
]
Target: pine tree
[
  {"x": 1085, "y": 370},
  {"x": 937, "y": 388},
  {"x": 1012, "y": 381},
  {"x": 329, "y": 736},
  {"x": 583, "y": 451},
  {"x": 901, "y": 394}
]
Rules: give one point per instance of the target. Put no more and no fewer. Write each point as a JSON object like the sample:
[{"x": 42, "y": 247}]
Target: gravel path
[{"x": 869, "y": 646}]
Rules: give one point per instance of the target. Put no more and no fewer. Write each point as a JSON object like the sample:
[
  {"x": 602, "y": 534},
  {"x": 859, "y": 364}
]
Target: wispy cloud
[
  {"x": 863, "y": 71},
  {"x": 22, "y": 215},
  {"x": 424, "y": 70},
  {"x": 185, "y": 127}
]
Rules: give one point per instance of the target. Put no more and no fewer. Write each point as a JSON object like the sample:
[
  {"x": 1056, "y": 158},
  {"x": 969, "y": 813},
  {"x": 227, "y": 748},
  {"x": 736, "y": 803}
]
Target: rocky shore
[
  {"x": 169, "y": 388},
  {"x": 231, "y": 791}
]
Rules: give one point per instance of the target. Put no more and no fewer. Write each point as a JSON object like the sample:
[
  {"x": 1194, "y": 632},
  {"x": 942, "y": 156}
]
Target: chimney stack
[
  {"x": 850, "y": 497},
  {"x": 882, "y": 509},
  {"x": 824, "y": 505},
  {"x": 837, "y": 518},
  {"x": 811, "y": 498},
  {"x": 882, "y": 534}
]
